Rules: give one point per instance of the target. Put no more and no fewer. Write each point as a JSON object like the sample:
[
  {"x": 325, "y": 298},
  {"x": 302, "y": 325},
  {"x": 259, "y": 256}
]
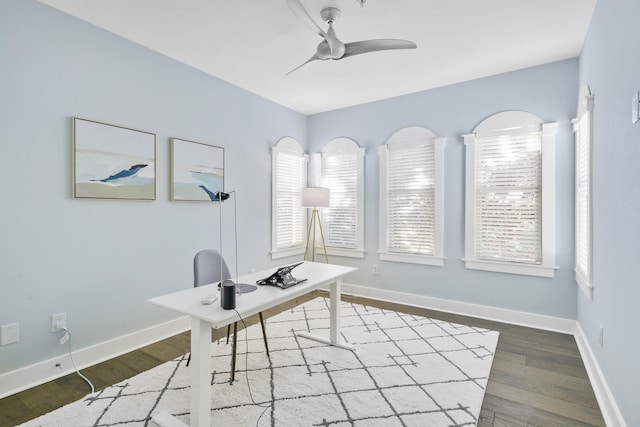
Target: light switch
[
  {"x": 635, "y": 108},
  {"x": 8, "y": 334}
]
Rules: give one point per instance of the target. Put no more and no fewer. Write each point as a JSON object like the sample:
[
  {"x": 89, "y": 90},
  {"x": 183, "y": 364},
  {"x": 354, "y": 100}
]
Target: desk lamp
[
  {"x": 241, "y": 288},
  {"x": 314, "y": 198}
]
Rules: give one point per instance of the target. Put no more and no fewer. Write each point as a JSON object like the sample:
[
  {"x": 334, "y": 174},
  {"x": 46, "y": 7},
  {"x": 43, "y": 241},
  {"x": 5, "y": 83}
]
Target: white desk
[{"x": 205, "y": 317}]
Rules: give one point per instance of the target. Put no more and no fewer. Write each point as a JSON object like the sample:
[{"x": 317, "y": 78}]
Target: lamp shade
[{"x": 315, "y": 197}]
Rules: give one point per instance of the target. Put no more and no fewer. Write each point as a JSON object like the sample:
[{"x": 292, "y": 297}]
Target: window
[
  {"x": 288, "y": 219},
  {"x": 509, "y": 204},
  {"x": 411, "y": 197},
  {"x": 341, "y": 170},
  {"x": 582, "y": 128}
]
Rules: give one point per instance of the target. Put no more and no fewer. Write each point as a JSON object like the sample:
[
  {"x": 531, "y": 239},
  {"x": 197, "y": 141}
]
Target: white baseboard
[
  {"x": 538, "y": 321},
  {"x": 610, "y": 411},
  {"x": 39, "y": 373}
]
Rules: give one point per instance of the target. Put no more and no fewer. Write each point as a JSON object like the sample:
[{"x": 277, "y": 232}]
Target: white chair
[{"x": 209, "y": 267}]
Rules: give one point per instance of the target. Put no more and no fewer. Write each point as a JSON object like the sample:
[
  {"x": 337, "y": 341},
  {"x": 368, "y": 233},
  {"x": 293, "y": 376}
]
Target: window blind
[
  {"x": 340, "y": 175},
  {"x": 410, "y": 199},
  {"x": 583, "y": 180},
  {"x": 290, "y": 216},
  {"x": 508, "y": 197}
]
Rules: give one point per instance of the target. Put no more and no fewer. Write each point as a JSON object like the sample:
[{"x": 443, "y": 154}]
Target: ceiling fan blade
[
  {"x": 366, "y": 46},
  {"x": 336, "y": 47},
  {"x": 302, "y": 14},
  {"x": 313, "y": 58}
]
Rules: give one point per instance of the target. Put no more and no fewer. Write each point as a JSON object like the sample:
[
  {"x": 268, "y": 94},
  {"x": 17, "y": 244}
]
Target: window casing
[
  {"x": 583, "y": 131},
  {"x": 510, "y": 193},
  {"x": 412, "y": 197},
  {"x": 288, "y": 219},
  {"x": 341, "y": 166}
]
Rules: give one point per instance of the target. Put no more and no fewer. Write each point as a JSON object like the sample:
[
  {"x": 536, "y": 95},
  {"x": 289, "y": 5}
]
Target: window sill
[
  {"x": 412, "y": 258},
  {"x": 283, "y": 253},
  {"x": 585, "y": 285},
  {"x": 512, "y": 268},
  {"x": 349, "y": 253}
]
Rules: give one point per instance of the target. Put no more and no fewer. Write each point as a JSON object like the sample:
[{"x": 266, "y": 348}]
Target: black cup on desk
[{"x": 228, "y": 295}]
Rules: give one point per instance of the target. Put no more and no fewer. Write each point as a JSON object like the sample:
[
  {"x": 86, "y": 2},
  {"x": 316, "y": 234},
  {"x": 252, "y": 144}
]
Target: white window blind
[
  {"x": 340, "y": 175},
  {"x": 508, "y": 197},
  {"x": 288, "y": 177},
  {"x": 583, "y": 178},
  {"x": 289, "y": 222},
  {"x": 340, "y": 167},
  {"x": 582, "y": 127},
  {"x": 410, "y": 199}
]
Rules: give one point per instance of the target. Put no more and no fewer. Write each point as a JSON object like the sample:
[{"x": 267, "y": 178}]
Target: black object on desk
[
  {"x": 282, "y": 277},
  {"x": 228, "y": 294}
]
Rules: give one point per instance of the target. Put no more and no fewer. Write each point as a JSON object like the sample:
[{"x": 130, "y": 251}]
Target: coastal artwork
[
  {"x": 112, "y": 162},
  {"x": 197, "y": 170}
]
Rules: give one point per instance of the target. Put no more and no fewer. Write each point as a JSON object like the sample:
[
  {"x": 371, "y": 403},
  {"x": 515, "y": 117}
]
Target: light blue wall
[
  {"x": 548, "y": 91},
  {"x": 610, "y": 65},
  {"x": 99, "y": 261}
]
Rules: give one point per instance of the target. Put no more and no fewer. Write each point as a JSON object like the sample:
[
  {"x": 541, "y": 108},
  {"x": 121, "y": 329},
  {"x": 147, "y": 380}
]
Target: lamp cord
[
  {"x": 265, "y": 405},
  {"x": 246, "y": 333},
  {"x": 68, "y": 332}
]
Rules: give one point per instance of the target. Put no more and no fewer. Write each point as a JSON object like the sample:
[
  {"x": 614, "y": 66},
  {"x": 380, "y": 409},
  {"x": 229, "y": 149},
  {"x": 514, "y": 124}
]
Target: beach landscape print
[
  {"x": 112, "y": 162},
  {"x": 197, "y": 170}
]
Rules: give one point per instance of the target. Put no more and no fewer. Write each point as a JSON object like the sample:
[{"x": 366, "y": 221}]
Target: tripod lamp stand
[{"x": 314, "y": 198}]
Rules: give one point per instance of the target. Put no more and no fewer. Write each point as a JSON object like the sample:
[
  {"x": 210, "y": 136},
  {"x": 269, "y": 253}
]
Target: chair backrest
[{"x": 209, "y": 267}]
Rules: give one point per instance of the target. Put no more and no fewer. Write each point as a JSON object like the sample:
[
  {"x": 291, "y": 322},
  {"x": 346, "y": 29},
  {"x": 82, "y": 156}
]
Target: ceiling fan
[{"x": 331, "y": 47}]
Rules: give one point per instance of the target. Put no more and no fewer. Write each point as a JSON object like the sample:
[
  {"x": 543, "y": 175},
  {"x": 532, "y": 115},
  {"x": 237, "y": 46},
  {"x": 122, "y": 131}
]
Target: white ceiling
[{"x": 253, "y": 43}]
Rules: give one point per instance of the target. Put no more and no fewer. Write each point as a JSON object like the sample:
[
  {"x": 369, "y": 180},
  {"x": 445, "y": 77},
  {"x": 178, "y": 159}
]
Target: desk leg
[
  {"x": 334, "y": 311},
  {"x": 199, "y": 371},
  {"x": 334, "y": 319}
]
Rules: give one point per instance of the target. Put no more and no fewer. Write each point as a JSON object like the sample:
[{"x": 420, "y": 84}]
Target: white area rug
[{"x": 405, "y": 371}]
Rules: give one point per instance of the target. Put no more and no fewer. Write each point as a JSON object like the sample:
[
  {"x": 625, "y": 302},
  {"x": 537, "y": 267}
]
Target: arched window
[
  {"x": 288, "y": 177},
  {"x": 411, "y": 197},
  {"x": 341, "y": 165},
  {"x": 510, "y": 192}
]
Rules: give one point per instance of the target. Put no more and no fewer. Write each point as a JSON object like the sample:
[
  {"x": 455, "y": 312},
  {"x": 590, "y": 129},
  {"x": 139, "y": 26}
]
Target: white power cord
[{"x": 67, "y": 337}]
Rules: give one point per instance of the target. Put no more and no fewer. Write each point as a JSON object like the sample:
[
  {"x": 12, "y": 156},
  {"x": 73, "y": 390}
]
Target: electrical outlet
[
  {"x": 374, "y": 269},
  {"x": 58, "y": 322},
  {"x": 601, "y": 336}
]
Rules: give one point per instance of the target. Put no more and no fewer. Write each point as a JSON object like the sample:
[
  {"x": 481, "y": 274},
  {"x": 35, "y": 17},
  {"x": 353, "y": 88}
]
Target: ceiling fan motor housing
[{"x": 330, "y": 14}]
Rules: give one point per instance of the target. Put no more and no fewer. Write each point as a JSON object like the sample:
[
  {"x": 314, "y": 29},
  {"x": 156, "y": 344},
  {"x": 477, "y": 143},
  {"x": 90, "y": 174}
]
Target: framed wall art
[
  {"x": 112, "y": 162},
  {"x": 197, "y": 170}
]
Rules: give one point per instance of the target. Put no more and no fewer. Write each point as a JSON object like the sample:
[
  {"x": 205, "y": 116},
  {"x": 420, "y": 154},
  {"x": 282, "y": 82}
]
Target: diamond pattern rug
[{"x": 405, "y": 370}]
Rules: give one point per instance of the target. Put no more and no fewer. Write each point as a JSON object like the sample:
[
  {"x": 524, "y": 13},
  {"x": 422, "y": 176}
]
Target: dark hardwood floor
[{"x": 537, "y": 377}]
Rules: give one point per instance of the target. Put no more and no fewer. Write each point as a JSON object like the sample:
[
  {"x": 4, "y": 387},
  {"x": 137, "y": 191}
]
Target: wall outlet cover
[
  {"x": 58, "y": 322},
  {"x": 9, "y": 334}
]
